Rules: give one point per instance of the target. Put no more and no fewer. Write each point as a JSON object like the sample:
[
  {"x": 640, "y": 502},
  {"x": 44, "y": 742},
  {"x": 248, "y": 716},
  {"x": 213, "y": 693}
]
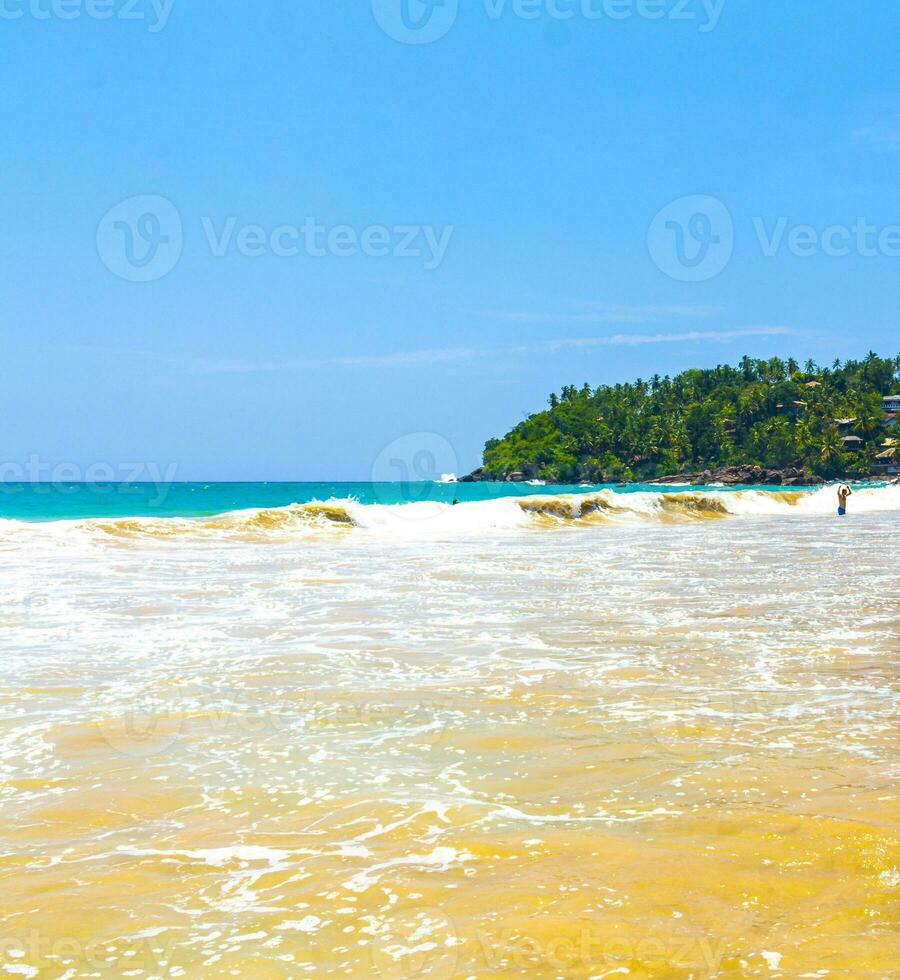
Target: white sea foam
[
  {"x": 245, "y": 727},
  {"x": 432, "y": 519}
]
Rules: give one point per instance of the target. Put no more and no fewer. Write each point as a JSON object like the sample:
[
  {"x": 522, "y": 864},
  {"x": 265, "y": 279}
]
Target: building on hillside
[
  {"x": 851, "y": 442},
  {"x": 891, "y": 403},
  {"x": 886, "y": 460},
  {"x": 889, "y": 420}
]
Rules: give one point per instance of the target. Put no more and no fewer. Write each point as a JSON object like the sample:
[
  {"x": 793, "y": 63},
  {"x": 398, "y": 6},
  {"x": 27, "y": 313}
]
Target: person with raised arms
[{"x": 843, "y": 493}]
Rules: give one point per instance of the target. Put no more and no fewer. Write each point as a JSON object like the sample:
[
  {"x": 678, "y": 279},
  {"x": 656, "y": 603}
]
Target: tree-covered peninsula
[{"x": 823, "y": 422}]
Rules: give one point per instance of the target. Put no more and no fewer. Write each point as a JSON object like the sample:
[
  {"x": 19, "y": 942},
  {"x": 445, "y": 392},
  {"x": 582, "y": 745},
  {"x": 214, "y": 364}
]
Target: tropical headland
[{"x": 762, "y": 422}]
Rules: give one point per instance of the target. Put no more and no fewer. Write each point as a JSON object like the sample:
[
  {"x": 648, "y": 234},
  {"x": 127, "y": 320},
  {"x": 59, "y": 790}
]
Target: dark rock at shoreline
[
  {"x": 681, "y": 479},
  {"x": 479, "y": 476},
  {"x": 790, "y": 476}
]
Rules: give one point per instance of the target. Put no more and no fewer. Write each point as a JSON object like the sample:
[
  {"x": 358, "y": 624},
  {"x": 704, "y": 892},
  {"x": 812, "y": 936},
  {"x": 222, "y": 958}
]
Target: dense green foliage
[{"x": 770, "y": 413}]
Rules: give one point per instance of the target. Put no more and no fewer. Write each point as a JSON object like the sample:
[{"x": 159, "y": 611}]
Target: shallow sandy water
[{"x": 666, "y": 750}]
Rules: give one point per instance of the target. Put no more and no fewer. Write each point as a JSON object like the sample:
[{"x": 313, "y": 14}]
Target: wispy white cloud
[
  {"x": 636, "y": 340},
  {"x": 246, "y": 367},
  {"x": 885, "y": 136},
  {"x": 443, "y": 355},
  {"x": 437, "y": 355},
  {"x": 400, "y": 358},
  {"x": 447, "y": 355},
  {"x": 107, "y": 350},
  {"x": 879, "y": 121},
  {"x": 613, "y": 313}
]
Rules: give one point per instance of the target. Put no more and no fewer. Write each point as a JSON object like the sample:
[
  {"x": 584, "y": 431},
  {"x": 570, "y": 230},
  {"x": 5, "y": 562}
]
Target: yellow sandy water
[{"x": 661, "y": 750}]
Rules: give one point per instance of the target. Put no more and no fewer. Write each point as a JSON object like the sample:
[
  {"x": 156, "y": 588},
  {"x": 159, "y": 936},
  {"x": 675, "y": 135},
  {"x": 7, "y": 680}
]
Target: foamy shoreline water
[
  {"x": 36, "y": 502},
  {"x": 430, "y": 517},
  {"x": 657, "y": 741}
]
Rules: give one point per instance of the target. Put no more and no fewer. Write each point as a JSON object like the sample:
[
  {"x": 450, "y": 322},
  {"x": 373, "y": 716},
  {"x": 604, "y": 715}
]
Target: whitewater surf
[{"x": 604, "y": 508}]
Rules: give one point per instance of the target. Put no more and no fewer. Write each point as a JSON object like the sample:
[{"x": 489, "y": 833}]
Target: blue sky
[{"x": 332, "y": 238}]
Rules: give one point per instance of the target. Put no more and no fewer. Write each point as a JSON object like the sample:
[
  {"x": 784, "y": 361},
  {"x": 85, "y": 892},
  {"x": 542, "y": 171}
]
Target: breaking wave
[{"x": 604, "y": 507}]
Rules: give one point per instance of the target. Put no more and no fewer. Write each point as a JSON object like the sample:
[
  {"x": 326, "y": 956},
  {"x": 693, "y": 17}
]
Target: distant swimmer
[
  {"x": 455, "y": 502},
  {"x": 843, "y": 493}
]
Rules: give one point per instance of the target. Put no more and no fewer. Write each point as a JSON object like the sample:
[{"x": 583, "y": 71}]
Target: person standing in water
[{"x": 843, "y": 493}]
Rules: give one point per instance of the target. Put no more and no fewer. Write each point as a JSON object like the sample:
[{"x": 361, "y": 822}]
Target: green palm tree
[{"x": 830, "y": 445}]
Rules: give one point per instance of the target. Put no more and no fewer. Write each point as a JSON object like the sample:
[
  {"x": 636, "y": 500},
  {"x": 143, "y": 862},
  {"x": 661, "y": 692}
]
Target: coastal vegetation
[{"x": 775, "y": 414}]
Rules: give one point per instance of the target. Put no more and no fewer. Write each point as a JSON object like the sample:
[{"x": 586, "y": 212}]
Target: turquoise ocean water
[{"x": 72, "y": 501}]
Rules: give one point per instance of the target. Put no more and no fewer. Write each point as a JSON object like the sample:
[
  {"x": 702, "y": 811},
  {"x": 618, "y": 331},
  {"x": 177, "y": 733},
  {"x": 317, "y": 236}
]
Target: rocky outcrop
[
  {"x": 479, "y": 476},
  {"x": 790, "y": 476}
]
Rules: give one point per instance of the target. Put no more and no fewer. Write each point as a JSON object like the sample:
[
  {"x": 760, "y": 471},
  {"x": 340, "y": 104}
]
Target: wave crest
[
  {"x": 430, "y": 518},
  {"x": 238, "y": 523}
]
